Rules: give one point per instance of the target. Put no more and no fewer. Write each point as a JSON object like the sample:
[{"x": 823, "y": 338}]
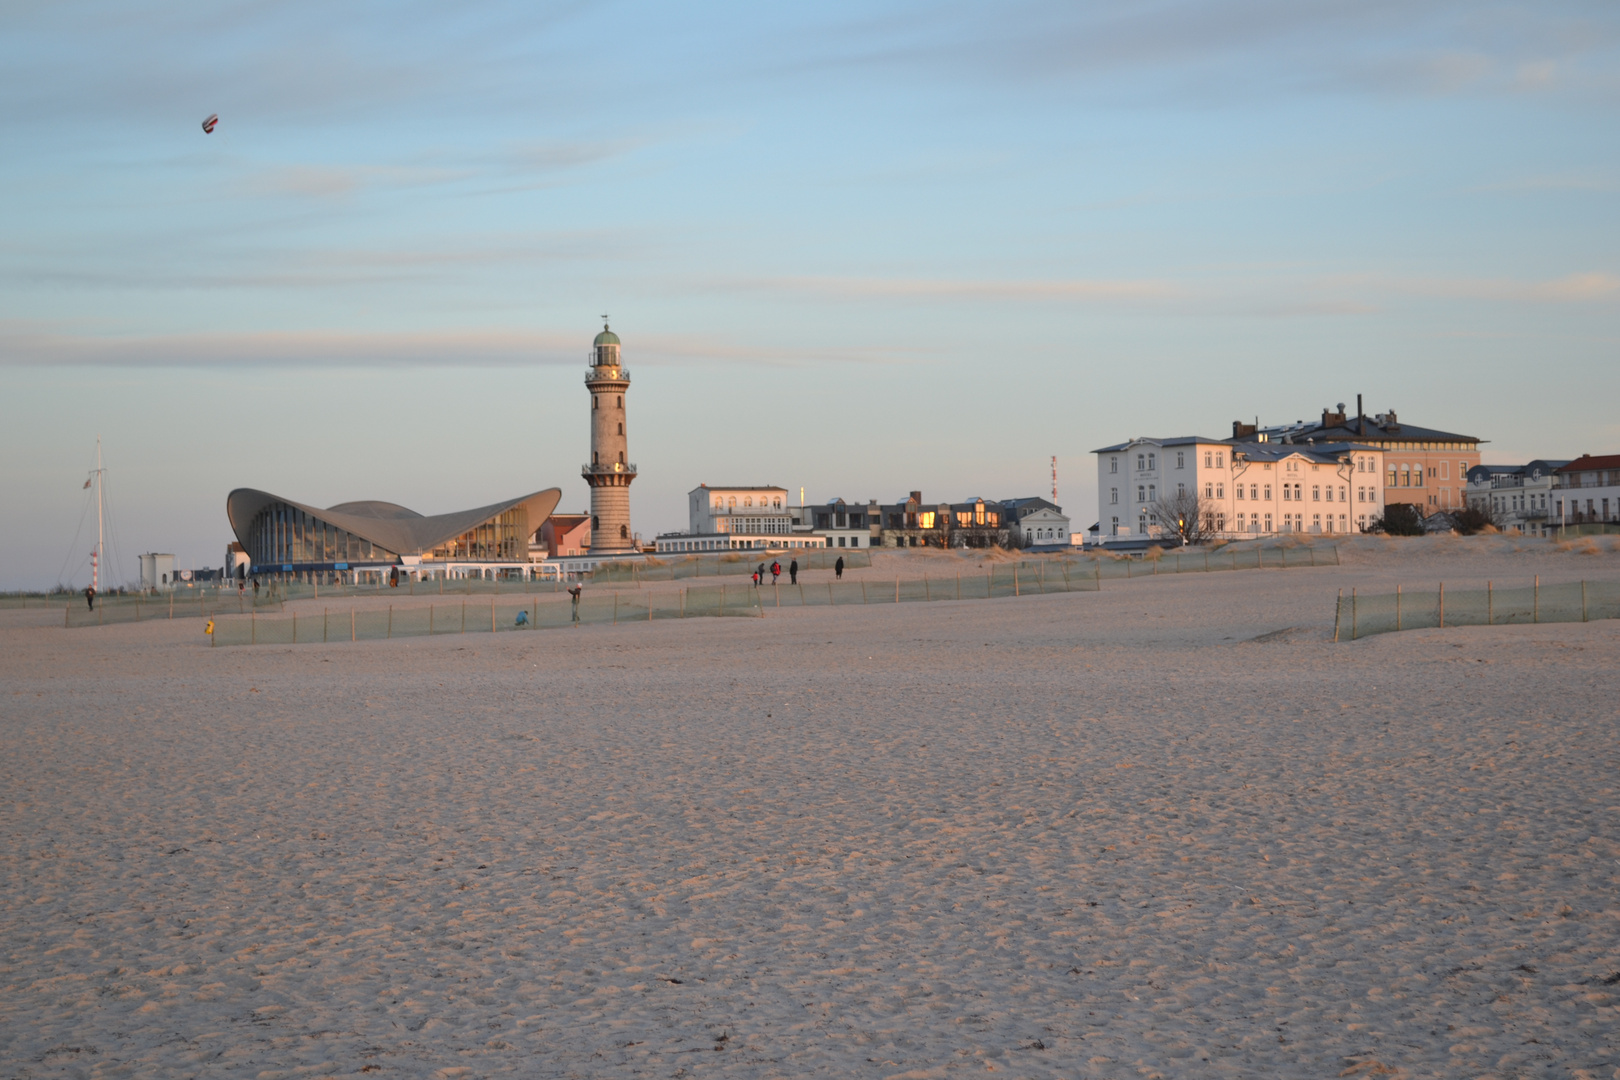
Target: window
[
  {"x": 1220, "y": 491},
  {"x": 1141, "y": 462},
  {"x": 731, "y": 501},
  {"x": 595, "y": 401},
  {"x": 1113, "y": 495},
  {"x": 624, "y": 532},
  {"x": 1240, "y": 491},
  {"x": 621, "y": 401},
  {"x": 621, "y": 427},
  {"x": 1268, "y": 523},
  {"x": 1288, "y": 492},
  {"x": 1153, "y": 461},
  {"x": 1115, "y": 523},
  {"x": 1113, "y": 464},
  {"x": 1445, "y": 470},
  {"x": 1209, "y": 491},
  {"x": 1268, "y": 493},
  {"x": 777, "y": 502},
  {"x": 1316, "y": 493},
  {"x": 1153, "y": 493},
  {"x": 1218, "y": 459},
  {"x": 1208, "y": 458},
  {"x": 1254, "y": 491},
  {"x": 1181, "y": 489},
  {"x": 1393, "y": 477},
  {"x": 1181, "y": 459},
  {"x": 1141, "y": 494}
]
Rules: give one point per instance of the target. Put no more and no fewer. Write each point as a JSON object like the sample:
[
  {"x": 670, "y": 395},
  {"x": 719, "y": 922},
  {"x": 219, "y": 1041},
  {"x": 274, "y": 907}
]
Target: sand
[{"x": 1168, "y": 829}]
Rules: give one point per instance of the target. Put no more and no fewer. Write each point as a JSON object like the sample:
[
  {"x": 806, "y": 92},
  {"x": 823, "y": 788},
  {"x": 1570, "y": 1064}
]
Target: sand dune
[{"x": 1168, "y": 829}]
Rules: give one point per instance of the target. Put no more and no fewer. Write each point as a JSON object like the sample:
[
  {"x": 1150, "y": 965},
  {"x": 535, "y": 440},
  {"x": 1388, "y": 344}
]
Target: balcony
[
  {"x": 607, "y": 373},
  {"x": 606, "y": 469}
]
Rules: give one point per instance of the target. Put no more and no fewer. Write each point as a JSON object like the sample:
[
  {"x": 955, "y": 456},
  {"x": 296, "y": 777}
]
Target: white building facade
[{"x": 1244, "y": 490}]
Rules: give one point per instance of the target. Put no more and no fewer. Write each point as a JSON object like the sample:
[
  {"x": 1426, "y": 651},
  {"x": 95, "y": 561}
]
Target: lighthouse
[{"x": 609, "y": 472}]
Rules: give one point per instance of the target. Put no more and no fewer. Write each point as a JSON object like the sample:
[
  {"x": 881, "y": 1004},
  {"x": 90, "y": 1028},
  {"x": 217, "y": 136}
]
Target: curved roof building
[{"x": 279, "y": 534}]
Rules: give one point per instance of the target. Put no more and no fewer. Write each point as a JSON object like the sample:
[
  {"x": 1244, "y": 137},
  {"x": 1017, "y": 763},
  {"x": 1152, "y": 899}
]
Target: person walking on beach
[
  {"x": 255, "y": 588},
  {"x": 838, "y": 568},
  {"x": 793, "y": 572},
  {"x": 776, "y": 571},
  {"x": 90, "y": 596},
  {"x": 756, "y": 578},
  {"x": 575, "y": 593}
]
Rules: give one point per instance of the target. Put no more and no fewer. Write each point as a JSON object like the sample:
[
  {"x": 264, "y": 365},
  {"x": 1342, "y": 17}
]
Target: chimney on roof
[
  {"x": 916, "y": 497},
  {"x": 1240, "y": 430},
  {"x": 1333, "y": 419},
  {"x": 1361, "y": 418}
]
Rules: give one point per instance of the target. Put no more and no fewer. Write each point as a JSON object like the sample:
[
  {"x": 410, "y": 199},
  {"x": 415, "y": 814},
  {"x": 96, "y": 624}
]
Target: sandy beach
[{"x": 1166, "y": 829}]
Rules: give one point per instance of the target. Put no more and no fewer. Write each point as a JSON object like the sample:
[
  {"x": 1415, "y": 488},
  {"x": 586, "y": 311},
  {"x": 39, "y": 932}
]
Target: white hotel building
[
  {"x": 1250, "y": 489},
  {"x": 737, "y": 518}
]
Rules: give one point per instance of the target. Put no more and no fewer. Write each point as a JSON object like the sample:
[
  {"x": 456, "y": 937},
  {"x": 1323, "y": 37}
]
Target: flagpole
[{"x": 95, "y": 565}]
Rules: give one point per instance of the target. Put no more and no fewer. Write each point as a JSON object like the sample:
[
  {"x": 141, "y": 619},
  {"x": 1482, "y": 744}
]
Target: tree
[
  {"x": 1186, "y": 516},
  {"x": 1400, "y": 519},
  {"x": 1476, "y": 518}
]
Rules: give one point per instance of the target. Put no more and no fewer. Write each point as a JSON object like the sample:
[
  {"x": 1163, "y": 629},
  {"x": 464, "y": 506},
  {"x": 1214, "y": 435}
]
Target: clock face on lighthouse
[{"x": 610, "y": 471}]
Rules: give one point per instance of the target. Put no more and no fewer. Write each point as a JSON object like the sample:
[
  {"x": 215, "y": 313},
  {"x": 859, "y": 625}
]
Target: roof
[
  {"x": 606, "y": 337},
  {"x": 1586, "y": 462},
  {"x": 1179, "y": 440},
  {"x": 736, "y": 487},
  {"x": 1321, "y": 453},
  {"x": 1350, "y": 430},
  {"x": 388, "y": 525}
]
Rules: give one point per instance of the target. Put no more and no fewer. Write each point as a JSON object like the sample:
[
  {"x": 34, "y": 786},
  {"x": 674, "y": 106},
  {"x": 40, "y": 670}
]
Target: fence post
[
  {"x": 649, "y": 605},
  {"x": 1535, "y": 610},
  {"x": 1313, "y": 556},
  {"x": 1260, "y": 558},
  {"x": 66, "y": 620},
  {"x": 295, "y": 628},
  {"x": 351, "y": 624},
  {"x": 253, "y": 628},
  {"x": 615, "y": 609},
  {"x": 831, "y": 601},
  {"x": 464, "y": 616},
  {"x": 1353, "y": 626},
  {"x": 897, "y": 590},
  {"x": 863, "y": 591},
  {"x": 928, "y": 592},
  {"x": 1490, "y": 604},
  {"x": 1338, "y": 610},
  {"x": 1442, "y": 605},
  {"x": 1583, "y": 601},
  {"x": 959, "y": 584},
  {"x": 323, "y": 625},
  {"x": 1128, "y": 562},
  {"x": 683, "y": 603},
  {"x": 1015, "y": 579},
  {"x": 1397, "y": 603},
  {"x": 390, "y": 633},
  {"x": 171, "y": 605},
  {"x": 534, "y": 614}
]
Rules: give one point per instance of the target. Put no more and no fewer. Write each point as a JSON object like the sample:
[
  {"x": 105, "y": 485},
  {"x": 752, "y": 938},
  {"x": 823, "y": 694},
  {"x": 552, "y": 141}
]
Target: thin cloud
[
  {"x": 878, "y": 288},
  {"x": 33, "y": 345}
]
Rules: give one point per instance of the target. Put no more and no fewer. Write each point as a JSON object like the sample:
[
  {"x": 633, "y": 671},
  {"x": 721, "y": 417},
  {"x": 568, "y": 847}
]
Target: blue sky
[{"x": 858, "y": 248}]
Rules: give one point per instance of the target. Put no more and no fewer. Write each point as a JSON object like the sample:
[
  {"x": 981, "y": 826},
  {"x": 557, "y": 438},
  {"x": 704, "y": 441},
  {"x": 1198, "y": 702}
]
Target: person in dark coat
[
  {"x": 90, "y": 596},
  {"x": 575, "y": 593},
  {"x": 793, "y": 572},
  {"x": 838, "y": 568}
]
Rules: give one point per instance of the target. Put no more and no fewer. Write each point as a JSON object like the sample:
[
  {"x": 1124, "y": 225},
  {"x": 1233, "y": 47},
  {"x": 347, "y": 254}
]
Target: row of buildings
[
  {"x": 733, "y": 518},
  {"x": 1333, "y": 475},
  {"x": 1546, "y": 495}
]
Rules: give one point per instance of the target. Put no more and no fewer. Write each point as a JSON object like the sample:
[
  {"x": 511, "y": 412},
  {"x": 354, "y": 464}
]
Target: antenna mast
[{"x": 1054, "y": 479}]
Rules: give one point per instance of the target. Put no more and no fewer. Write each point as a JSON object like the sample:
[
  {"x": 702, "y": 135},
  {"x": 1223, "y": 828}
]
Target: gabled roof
[
  {"x": 390, "y": 526},
  {"x": 1587, "y": 462},
  {"x": 1317, "y": 453},
  {"x": 1178, "y": 440}
]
